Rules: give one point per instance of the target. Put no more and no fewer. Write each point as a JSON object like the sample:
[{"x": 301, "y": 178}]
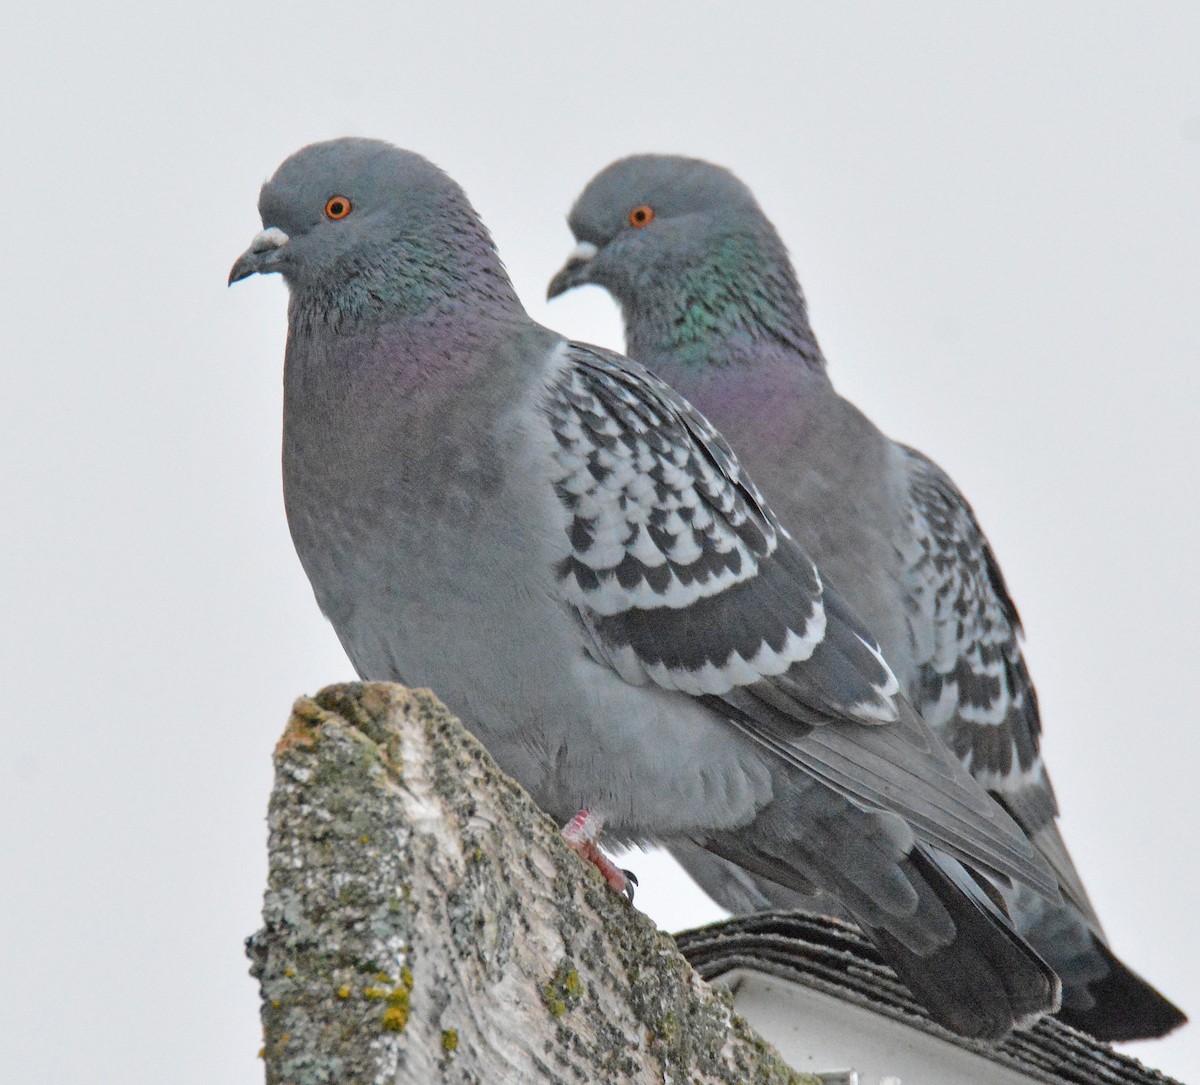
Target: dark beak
[
  {"x": 262, "y": 257},
  {"x": 574, "y": 272}
]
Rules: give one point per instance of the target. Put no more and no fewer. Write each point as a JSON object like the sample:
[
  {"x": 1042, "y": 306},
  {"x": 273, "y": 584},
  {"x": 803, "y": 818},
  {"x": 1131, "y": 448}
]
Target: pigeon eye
[
  {"x": 337, "y": 207},
  {"x": 641, "y": 216}
]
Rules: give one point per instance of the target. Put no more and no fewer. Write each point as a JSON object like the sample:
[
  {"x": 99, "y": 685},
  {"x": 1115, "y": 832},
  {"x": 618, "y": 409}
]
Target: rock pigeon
[
  {"x": 712, "y": 305},
  {"x": 570, "y": 555}
]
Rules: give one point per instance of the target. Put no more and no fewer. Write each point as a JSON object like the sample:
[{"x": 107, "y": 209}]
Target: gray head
[
  {"x": 685, "y": 249},
  {"x": 357, "y": 226}
]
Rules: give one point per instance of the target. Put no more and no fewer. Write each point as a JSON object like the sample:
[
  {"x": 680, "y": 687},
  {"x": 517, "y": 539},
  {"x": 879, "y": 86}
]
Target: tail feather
[
  {"x": 952, "y": 946},
  {"x": 987, "y": 980},
  {"x": 1124, "y": 1006},
  {"x": 1101, "y": 995}
]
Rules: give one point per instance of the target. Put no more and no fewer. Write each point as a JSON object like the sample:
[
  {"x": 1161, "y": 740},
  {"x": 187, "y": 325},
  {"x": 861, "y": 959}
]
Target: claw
[{"x": 581, "y": 834}]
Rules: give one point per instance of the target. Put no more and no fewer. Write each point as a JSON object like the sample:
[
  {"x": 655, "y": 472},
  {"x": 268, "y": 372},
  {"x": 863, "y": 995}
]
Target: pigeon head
[
  {"x": 356, "y": 225},
  {"x": 650, "y": 213},
  {"x": 684, "y": 248}
]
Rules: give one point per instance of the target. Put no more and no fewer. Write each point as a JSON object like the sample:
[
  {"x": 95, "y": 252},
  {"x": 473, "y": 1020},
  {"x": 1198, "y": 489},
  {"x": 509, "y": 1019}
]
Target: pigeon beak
[
  {"x": 262, "y": 257},
  {"x": 574, "y": 272}
]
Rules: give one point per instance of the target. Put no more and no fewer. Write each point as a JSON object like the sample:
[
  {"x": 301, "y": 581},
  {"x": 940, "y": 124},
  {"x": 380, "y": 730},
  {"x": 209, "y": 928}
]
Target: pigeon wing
[
  {"x": 680, "y": 576},
  {"x": 972, "y": 684}
]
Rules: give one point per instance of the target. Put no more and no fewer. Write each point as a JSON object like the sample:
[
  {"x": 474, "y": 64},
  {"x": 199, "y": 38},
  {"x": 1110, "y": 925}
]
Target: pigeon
[
  {"x": 573, "y": 558},
  {"x": 712, "y": 305}
]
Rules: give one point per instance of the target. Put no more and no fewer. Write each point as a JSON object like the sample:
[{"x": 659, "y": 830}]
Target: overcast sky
[{"x": 994, "y": 209}]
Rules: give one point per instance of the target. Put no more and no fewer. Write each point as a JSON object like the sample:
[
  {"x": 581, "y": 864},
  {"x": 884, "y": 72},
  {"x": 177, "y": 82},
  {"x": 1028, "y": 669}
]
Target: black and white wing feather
[
  {"x": 972, "y": 686},
  {"x": 680, "y": 576}
]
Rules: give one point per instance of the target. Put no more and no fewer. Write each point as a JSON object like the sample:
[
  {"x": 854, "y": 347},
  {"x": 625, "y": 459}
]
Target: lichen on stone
[
  {"x": 564, "y": 990},
  {"x": 405, "y": 864}
]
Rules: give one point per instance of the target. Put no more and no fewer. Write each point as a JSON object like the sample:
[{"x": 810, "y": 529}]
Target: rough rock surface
[{"x": 425, "y": 922}]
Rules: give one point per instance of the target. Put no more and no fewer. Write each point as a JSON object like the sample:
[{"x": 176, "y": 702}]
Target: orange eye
[
  {"x": 337, "y": 207},
  {"x": 641, "y": 216}
]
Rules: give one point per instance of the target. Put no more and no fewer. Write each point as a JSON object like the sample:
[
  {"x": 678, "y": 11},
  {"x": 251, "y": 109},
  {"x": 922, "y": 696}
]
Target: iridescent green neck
[
  {"x": 443, "y": 263},
  {"x": 740, "y": 291}
]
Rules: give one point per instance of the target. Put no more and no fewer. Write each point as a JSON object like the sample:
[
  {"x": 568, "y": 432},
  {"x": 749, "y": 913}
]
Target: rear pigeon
[
  {"x": 572, "y": 557},
  {"x": 712, "y": 306}
]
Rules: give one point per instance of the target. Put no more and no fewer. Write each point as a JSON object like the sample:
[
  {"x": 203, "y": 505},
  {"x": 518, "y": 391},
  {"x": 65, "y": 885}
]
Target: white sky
[{"x": 993, "y": 208}]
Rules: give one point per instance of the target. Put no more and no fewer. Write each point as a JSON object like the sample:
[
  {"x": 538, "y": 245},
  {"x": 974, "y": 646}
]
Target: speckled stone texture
[{"x": 424, "y": 922}]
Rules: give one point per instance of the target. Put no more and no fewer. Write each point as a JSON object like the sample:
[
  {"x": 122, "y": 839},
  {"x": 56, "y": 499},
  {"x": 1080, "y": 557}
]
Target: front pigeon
[
  {"x": 571, "y": 556},
  {"x": 712, "y": 305}
]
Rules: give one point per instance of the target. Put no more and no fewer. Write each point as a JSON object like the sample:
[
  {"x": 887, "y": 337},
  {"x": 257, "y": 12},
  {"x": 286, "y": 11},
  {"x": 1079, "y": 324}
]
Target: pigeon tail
[
  {"x": 1125, "y": 1006},
  {"x": 947, "y": 941},
  {"x": 985, "y": 982}
]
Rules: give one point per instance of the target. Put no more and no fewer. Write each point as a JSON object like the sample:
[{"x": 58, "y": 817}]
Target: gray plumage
[
  {"x": 712, "y": 305},
  {"x": 572, "y": 557}
]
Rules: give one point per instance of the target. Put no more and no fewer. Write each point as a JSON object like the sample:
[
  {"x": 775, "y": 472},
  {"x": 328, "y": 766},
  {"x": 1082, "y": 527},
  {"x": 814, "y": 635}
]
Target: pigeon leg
[{"x": 581, "y": 833}]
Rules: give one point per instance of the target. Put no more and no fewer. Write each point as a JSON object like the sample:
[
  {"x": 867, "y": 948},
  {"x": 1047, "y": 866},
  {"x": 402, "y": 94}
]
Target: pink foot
[{"x": 581, "y": 833}]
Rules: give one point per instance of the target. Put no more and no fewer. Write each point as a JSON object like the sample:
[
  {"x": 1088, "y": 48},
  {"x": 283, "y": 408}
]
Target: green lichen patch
[
  {"x": 564, "y": 991},
  {"x": 399, "y": 1002},
  {"x": 666, "y": 1029},
  {"x": 395, "y": 1018}
]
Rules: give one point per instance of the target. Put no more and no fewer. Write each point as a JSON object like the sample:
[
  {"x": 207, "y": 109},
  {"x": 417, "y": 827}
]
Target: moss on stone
[
  {"x": 395, "y": 1018},
  {"x": 564, "y": 990},
  {"x": 399, "y": 1004}
]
